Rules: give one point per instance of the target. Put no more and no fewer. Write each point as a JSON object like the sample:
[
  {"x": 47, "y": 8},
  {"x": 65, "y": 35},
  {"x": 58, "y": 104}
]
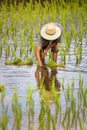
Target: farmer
[{"x": 50, "y": 36}]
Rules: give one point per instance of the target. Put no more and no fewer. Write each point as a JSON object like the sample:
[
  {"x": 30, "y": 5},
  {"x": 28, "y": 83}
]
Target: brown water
[{"x": 22, "y": 76}]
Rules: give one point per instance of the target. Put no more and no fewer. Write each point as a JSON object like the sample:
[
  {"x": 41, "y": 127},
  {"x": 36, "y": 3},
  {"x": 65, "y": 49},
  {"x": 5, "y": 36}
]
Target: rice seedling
[
  {"x": 68, "y": 41},
  {"x": 14, "y": 54},
  {"x": 7, "y": 51},
  {"x": 17, "y": 111},
  {"x": 42, "y": 113},
  {"x": 29, "y": 93},
  {"x": 42, "y": 117},
  {"x": 54, "y": 122},
  {"x": 63, "y": 80},
  {"x": 31, "y": 41},
  {"x": 48, "y": 120},
  {"x": 4, "y": 40},
  {"x": 81, "y": 92},
  {"x": 73, "y": 109},
  {"x": 81, "y": 29},
  {"x": 30, "y": 107},
  {"x": 84, "y": 98},
  {"x": 4, "y": 119},
  {"x": 63, "y": 54},
  {"x": 15, "y": 43},
  {"x": 81, "y": 124},
  {"x": 56, "y": 98},
  {"x": 78, "y": 54},
  {"x": 2, "y": 93}
]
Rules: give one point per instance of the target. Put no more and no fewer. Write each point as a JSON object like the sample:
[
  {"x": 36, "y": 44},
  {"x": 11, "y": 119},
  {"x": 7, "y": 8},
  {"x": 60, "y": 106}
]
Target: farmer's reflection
[{"x": 43, "y": 72}]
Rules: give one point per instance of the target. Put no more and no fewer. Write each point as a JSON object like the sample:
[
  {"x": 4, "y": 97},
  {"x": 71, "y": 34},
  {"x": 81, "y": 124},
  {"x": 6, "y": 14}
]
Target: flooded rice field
[
  {"x": 22, "y": 77},
  {"x": 32, "y": 98}
]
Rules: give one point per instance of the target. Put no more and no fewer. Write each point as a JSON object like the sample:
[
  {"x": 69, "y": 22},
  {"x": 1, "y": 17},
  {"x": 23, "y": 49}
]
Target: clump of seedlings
[
  {"x": 53, "y": 64},
  {"x": 18, "y": 61}
]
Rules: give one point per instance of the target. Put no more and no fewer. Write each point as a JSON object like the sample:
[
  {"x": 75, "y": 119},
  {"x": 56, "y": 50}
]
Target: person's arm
[{"x": 38, "y": 55}]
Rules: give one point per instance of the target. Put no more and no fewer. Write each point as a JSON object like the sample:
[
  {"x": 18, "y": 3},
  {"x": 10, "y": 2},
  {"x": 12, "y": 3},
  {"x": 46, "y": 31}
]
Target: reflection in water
[
  {"x": 46, "y": 117},
  {"x": 43, "y": 72}
]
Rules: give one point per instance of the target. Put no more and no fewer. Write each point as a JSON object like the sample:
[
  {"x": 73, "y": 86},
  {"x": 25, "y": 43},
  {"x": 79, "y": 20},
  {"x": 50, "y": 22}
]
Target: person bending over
[{"x": 50, "y": 36}]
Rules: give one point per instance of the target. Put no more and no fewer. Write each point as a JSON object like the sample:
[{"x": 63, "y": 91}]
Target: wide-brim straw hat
[{"x": 50, "y": 31}]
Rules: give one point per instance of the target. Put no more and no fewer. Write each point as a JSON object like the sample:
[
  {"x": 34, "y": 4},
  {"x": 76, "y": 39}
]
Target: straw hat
[{"x": 50, "y": 31}]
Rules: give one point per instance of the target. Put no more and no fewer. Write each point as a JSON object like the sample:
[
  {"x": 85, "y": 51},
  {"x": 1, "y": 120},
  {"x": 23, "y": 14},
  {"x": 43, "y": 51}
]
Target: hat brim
[{"x": 48, "y": 36}]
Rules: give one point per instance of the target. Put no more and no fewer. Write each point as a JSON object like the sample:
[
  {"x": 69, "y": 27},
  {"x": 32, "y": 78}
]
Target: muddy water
[{"x": 23, "y": 76}]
